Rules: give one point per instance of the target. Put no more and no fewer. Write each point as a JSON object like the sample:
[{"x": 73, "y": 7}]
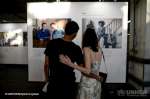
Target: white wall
[
  {"x": 13, "y": 55},
  {"x": 115, "y": 58}
]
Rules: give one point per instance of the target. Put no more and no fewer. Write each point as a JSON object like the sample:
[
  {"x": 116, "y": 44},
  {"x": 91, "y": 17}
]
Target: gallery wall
[
  {"x": 13, "y": 53},
  {"x": 79, "y": 11}
]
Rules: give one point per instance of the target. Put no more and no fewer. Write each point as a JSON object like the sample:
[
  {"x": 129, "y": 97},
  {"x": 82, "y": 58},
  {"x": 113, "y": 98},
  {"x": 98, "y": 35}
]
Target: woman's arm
[{"x": 86, "y": 70}]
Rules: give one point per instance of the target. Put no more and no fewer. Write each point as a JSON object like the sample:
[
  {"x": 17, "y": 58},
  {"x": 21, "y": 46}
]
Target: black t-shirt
[{"x": 60, "y": 72}]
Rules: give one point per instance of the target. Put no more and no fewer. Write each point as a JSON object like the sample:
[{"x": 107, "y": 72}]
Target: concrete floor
[{"x": 13, "y": 79}]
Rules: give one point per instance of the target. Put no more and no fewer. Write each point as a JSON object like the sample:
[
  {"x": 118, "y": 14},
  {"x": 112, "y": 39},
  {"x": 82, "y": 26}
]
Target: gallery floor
[{"x": 13, "y": 79}]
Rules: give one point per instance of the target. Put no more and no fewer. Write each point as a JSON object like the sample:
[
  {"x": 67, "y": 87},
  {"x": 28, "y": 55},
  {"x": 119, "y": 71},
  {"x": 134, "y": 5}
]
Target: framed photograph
[
  {"x": 47, "y": 29},
  {"x": 109, "y": 31},
  {"x": 12, "y": 38}
]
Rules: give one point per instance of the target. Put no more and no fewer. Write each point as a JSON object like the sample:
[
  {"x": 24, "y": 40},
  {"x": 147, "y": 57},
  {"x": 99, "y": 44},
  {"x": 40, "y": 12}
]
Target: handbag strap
[{"x": 104, "y": 60}]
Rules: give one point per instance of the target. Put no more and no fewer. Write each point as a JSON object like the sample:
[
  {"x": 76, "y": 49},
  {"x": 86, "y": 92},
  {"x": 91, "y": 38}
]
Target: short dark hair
[
  {"x": 43, "y": 23},
  {"x": 71, "y": 28},
  {"x": 90, "y": 39},
  {"x": 102, "y": 22},
  {"x": 52, "y": 23}
]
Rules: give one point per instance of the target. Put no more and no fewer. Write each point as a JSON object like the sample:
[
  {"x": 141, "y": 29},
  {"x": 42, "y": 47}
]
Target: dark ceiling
[{"x": 14, "y": 11}]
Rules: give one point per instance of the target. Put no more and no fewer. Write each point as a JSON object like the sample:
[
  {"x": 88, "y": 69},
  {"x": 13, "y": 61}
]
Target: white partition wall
[
  {"x": 13, "y": 47},
  {"x": 114, "y": 14}
]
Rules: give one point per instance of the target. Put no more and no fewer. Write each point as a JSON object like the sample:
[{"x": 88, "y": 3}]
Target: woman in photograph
[{"x": 89, "y": 88}]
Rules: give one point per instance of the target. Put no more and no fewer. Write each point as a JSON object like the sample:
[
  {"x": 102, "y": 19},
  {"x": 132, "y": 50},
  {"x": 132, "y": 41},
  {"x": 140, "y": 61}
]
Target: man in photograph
[
  {"x": 55, "y": 33},
  {"x": 100, "y": 29},
  {"x": 43, "y": 35}
]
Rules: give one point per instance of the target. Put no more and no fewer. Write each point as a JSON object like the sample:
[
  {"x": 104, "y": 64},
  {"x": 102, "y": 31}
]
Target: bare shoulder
[{"x": 86, "y": 50}]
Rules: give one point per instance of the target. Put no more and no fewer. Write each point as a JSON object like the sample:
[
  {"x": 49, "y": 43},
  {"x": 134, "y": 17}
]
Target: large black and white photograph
[
  {"x": 109, "y": 31},
  {"x": 12, "y": 38}
]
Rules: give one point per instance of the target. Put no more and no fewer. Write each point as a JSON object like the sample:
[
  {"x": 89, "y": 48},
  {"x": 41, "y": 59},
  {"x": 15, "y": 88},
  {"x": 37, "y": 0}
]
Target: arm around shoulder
[{"x": 46, "y": 64}]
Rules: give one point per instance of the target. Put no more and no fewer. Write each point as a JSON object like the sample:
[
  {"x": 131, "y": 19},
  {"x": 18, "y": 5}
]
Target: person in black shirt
[{"x": 61, "y": 77}]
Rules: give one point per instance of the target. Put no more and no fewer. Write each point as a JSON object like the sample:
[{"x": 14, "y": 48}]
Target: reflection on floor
[{"x": 13, "y": 79}]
